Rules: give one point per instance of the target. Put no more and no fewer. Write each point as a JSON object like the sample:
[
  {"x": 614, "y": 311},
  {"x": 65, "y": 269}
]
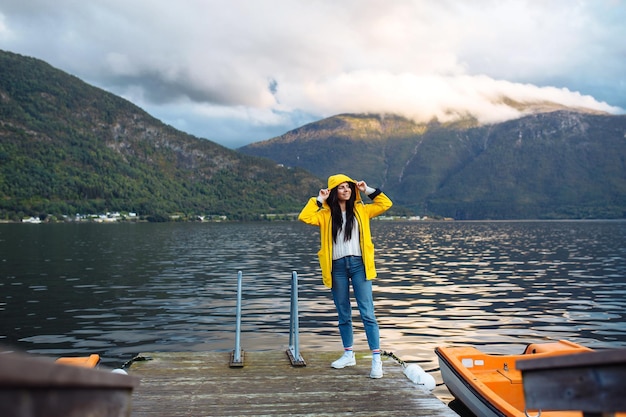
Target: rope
[
  {"x": 137, "y": 358},
  {"x": 394, "y": 357},
  {"x": 403, "y": 363}
]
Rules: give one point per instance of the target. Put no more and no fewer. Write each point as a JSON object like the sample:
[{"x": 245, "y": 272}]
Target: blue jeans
[{"x": 345, "y": 270}]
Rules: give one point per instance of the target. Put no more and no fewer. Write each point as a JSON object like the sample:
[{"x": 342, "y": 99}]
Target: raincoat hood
[{"x": 335, "y": 180}]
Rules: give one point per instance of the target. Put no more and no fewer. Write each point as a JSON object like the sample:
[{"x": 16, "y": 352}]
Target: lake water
[{"x": 123, "y": 289}]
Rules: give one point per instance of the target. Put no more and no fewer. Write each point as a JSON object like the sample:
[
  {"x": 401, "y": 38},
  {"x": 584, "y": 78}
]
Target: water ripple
[{"x": 124, "y": 289}]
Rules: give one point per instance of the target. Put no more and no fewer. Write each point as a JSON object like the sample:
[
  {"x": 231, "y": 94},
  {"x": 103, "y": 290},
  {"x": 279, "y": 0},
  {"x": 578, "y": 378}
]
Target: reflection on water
[
  {"x": 127, "y": 288},
  {"x": 504, "y": 283},
  {"x": 122, "y": 289}
]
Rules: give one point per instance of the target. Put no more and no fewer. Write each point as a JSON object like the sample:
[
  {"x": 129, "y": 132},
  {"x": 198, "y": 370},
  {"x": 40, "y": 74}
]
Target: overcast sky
[{"x": 241, "y": 71}]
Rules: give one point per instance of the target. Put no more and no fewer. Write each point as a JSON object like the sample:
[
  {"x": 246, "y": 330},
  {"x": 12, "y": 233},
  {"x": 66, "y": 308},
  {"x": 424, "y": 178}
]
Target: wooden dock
[
  {"x": 590, "y": 381},
  {"x": 203, "y": 384}
]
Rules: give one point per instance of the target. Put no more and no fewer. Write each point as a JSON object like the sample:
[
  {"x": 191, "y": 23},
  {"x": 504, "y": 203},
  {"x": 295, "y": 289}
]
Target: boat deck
[{"x": 203, "y": 384}]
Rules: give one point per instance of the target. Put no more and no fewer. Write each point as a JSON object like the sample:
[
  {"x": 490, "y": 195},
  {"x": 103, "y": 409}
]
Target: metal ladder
[
  {"x": 236, "y": 356},
  {"x": 293, "y": 351}
]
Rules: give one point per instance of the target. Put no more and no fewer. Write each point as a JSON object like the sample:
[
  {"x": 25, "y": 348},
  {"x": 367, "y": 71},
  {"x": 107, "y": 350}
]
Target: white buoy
[
  {"x": 427, "y": 381},
  {"x": 419, "y": 377},
  {"x": 413, "y": 372},
  {"x": 119, "y": 371}
]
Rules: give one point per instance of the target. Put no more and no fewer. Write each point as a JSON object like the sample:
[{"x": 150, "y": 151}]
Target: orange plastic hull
[
  {"x": 86, "y": 361},
  {"x": 490, "y": 385}
]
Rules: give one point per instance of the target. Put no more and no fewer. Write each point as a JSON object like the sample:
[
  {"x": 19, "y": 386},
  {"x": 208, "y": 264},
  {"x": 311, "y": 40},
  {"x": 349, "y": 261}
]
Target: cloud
[
  {"x": 430, "y": 96},
  {"x": 246, "y": 70}
]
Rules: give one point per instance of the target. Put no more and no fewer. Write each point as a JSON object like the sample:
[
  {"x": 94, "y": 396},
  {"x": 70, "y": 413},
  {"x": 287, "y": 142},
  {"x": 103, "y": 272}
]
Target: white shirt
[{"x": 352, "y": 247}]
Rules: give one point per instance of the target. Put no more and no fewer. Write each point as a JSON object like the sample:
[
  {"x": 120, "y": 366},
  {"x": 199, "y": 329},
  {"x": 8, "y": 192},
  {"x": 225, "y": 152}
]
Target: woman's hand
[
  {"x": 361, "y": 185},
  {"x": 323, "y": 194}
]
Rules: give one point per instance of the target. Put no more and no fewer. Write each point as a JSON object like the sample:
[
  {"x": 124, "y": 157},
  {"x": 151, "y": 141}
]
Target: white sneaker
[
  {"x": 377, "y": 367},
  {"x": 347, "y": 359}
]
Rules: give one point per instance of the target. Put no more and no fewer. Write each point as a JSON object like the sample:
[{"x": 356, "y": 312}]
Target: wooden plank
[
  {"x": 584, "y": 359},
  {"x": 203, "y": 384},
  {"x": 60, "y": 402},
  {"x": 591, "y": 381},
  {"x": 39, "y": 387},
  {"x": 19, "y": 370}
]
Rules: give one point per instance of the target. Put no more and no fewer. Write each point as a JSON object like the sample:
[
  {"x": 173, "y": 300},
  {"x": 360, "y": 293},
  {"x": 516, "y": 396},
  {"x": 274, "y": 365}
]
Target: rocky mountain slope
[{"x": 564, "y": 163}]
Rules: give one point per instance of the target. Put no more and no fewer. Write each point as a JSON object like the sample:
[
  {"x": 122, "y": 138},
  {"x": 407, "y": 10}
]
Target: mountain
[
  {"x": 558, "y": 163},
  {"x": 67, "y": 147}
]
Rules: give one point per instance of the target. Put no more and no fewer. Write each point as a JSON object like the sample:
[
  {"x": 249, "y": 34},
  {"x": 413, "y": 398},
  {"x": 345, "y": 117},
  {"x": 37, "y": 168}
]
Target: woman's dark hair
[{"x": 336, "y": 215}]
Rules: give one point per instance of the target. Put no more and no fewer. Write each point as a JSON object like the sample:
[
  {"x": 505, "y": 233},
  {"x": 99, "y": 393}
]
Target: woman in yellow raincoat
[{"x": 346, "y": 256}]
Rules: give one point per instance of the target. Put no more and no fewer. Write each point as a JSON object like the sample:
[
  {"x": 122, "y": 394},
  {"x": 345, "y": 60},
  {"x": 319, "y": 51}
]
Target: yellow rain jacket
[{"x": 315, "y": 215}]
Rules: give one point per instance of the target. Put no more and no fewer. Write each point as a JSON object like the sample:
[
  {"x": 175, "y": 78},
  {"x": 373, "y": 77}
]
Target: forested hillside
[{"x": 67, "y": 147}]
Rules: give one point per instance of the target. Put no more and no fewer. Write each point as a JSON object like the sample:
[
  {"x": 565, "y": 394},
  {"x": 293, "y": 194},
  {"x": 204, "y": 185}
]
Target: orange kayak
[
  {"x": 490, "y": 385},
  {"x": 85, "y": 361}
]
